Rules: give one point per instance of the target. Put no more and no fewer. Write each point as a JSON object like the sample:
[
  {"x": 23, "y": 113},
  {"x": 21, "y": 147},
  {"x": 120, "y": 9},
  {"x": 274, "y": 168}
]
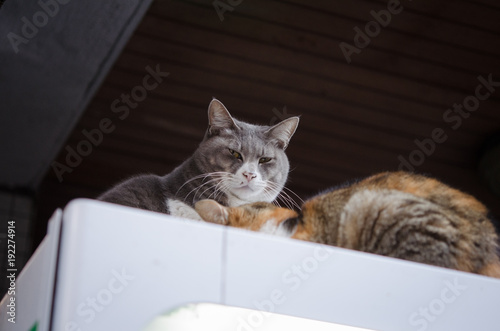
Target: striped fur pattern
[{"x": 395, "y": 214}]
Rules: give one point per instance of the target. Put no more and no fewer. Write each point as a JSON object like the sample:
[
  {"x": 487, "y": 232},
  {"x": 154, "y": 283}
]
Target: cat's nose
[{"x": 249, "y": 175}]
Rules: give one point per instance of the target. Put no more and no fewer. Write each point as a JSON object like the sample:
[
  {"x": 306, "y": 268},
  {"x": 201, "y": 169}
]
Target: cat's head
[
  {"x": 258, "y": 216},
  {"x": 247, "y": 162}
]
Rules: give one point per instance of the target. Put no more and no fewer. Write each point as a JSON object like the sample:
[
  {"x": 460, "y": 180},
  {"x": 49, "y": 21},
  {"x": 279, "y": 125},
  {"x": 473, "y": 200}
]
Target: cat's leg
[{"x": 180, "y": 209}]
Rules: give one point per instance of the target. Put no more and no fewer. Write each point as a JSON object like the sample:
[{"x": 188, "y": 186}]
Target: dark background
[{"x": 267, "y": 60}]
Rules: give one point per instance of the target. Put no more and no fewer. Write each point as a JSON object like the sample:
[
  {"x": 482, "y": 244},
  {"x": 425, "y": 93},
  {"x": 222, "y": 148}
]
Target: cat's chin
[
  {"x": 246, "y": 188},
  {"x": 246, "y": 194}
]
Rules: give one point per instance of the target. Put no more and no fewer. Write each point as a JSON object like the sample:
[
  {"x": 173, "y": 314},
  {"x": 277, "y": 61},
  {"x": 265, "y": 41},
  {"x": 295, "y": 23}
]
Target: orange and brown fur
[{"x": 396, "y": 214}]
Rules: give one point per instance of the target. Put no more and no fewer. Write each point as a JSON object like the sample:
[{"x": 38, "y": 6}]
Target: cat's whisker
[
  {"x": 197, "y": 193},
  {"x": 295, "y": 194},
  {"x": 223, "y": 188},
  {"x": 196, "y": 189},
  {"x": 216, "y": 188},
  {"x": 220, "y": 189},
  {"x": 274, "y": 201},
  {"x": 216, "y": 181},
  {"x": 284, "y": 192},
  {"x": 287, "y": 201},
  {"x": 290, "y": 203},
  {"x": 204, "y": 176},
  {"x": 284, "y": 196},
  {"x": 287, "y": 197}
]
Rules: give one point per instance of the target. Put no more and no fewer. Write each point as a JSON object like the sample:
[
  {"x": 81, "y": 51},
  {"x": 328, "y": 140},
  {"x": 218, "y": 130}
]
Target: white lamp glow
[{"x": 213, "y": 317}]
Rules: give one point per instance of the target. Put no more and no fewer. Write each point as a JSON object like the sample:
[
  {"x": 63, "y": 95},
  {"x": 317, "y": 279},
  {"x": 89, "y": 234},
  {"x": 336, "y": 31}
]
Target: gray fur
[{"x": 213, "y": 171}]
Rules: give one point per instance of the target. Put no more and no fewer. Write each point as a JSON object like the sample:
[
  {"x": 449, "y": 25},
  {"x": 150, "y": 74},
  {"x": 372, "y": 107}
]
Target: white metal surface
[
  {"x": 120, "y": 267},
  {"x": 34, "y": 285}
]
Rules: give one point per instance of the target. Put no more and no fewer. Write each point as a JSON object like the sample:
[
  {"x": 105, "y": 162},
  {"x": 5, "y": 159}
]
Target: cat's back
[
  {"x": 407, "y": 216},
  {"x": 143, "y": 191},
  {"x": 333, "y": 201},
  {"x": 427, "y": 188},
  {"x": 403, "y": 225}
]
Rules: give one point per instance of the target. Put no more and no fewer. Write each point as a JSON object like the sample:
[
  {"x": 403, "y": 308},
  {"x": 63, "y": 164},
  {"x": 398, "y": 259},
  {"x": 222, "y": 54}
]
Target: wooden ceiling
[{"x": 271, "y": 59}]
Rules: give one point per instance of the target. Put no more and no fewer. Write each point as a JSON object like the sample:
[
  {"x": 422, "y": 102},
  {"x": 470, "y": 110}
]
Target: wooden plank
[
  {"x": 337, "y": 29},
  {"x": 464, "y": 13},
  {"x": 323, "y": 139},
  {"x": 408, "y": 24},
  {"x": 295, "y": 62},
  {"x": 344, "y": 114},
  {"x": 288, "y": 80},
  {"x": 489, "y": 4},
  {"x": 351, "y": 145},
  {"x": 180, "y": 55}
]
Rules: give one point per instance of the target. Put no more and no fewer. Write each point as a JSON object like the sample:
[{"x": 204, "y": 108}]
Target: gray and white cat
[{"x": 236, "y": 163}]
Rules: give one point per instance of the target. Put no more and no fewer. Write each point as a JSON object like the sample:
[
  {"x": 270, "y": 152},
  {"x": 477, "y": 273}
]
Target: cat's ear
[
  {"x": 219, "y": 118},
  {"x": 283, "y": 131},
  {"x": 212, "y": 212}
]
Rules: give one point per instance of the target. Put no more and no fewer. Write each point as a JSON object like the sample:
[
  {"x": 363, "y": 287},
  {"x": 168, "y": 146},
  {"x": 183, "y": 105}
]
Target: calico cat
[
  {"x": 236, "y": 163},
  {"x": 396, "y": 214}
]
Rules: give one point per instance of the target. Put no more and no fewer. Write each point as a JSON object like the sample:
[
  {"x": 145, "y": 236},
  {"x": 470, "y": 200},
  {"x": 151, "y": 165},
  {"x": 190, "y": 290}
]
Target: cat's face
[
  {"x": 245, "y": 162},
  {"x": 259, "y": 216}
]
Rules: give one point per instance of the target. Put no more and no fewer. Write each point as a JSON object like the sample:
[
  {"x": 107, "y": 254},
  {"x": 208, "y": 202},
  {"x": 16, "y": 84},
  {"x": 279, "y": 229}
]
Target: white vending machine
[{"x": 108, "y": 267}]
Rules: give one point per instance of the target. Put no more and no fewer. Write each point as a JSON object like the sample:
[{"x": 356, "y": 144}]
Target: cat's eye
[
  {"x": 235, "y": 154},
  {"x": 264, "y": 160}
]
